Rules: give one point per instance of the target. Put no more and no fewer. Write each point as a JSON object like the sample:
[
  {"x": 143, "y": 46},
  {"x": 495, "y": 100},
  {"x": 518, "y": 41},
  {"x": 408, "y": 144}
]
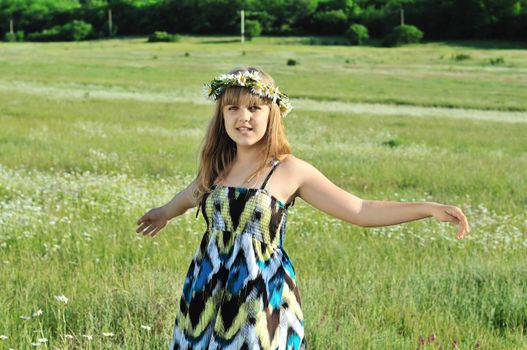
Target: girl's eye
[
  {"x": 254, "y": 107},
  {"x": 233, "y": 107}
]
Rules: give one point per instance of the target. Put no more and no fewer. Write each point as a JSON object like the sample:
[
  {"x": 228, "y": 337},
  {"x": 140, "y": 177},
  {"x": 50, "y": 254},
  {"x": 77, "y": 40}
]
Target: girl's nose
[{"x": 245, "y": 113}]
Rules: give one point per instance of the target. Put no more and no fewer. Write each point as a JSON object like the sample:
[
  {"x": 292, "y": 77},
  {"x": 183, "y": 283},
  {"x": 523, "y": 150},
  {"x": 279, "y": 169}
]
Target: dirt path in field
[{"x": 71, "y": 90}]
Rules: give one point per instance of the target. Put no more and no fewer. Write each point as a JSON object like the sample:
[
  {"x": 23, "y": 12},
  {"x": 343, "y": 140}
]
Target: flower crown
[{"x": 251, "y": 80}]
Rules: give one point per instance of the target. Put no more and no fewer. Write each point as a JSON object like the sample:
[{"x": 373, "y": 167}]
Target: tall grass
[{"x": 76, "y": 171}]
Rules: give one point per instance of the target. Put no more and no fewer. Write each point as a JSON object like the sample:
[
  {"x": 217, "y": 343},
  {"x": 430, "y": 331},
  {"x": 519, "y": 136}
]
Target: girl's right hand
[{"x": 152, "y": 222}]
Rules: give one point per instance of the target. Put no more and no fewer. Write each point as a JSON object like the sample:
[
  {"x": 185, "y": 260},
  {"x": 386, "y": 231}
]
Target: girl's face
[{"x": 246, "y": 124}]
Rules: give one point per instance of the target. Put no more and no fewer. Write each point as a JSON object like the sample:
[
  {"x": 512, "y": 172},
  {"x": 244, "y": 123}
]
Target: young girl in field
[{"x": 240, "y": 289}]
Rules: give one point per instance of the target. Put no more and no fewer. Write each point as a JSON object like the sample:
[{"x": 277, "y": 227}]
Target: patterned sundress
[{"x": 240, "y": 290}]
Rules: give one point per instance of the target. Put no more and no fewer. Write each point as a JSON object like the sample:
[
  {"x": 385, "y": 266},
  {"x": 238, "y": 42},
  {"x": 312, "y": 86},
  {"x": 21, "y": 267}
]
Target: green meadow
[{"x": 94, "y": 134}]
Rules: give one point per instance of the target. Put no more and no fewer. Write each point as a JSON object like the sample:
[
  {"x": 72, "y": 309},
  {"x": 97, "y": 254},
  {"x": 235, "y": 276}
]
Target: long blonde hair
[{"x": 218, "y": 150}]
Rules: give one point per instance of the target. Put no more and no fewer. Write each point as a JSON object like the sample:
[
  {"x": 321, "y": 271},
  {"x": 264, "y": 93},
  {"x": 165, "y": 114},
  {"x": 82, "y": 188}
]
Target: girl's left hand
[{"x": 452, "y": 214}]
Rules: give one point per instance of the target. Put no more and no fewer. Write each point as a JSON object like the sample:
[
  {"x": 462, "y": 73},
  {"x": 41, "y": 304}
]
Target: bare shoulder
[
  {"x": 296, "y": 171},
  {"x": 297, "y": 168}
]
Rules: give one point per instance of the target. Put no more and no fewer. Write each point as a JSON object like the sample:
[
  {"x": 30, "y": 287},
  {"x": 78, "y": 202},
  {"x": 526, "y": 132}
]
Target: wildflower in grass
[
  {"x": 107, "y": 334},
  {"x": 68, "y": 336},
  {"x": 421, "y": 340},
  {"x": 25, "y": 318},
  {"x": 478, "y": 345},
  {"x": 42, "y": 340},
  {"x": 4, "y": 337},
  {"x": 146, "y": 327},
  {"x": 431, "y": 338},
  {"x": 87, "y": 336},
  {"x": 35, "y": 344},
  {"x": 61, "y": 298},
  {"x": 38, "y": 313}
]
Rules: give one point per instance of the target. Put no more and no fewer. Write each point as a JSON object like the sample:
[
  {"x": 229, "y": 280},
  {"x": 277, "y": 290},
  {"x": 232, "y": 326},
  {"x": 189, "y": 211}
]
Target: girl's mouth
[{"x": 244, "y": 130}]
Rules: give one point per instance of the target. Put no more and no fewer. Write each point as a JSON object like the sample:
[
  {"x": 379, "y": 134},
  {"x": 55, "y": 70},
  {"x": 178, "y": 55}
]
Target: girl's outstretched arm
[
  {"x": 317, "y": 190},
  {"x": 155, "y": 219}
]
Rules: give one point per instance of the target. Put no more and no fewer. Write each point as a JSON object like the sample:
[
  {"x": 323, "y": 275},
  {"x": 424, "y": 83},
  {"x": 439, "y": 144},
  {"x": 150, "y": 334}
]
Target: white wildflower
[
  {"x": 61, "y": 298},
  {"x": 108, "y": 334},
  {"x": 146, "y": 327},
  {"x": 241, "y": 79},
  {"x": 25, "y": 318},
  {"x": 38, "y": 313},
  {"x": 42, "y": 340},
  {"x": 207, "y": 90},
  {"x": 253, "y": 75},
  {"x": 3, "y": 337},
  {"x": 87, "y": 336},
  {"x": 68, "y": 336}
]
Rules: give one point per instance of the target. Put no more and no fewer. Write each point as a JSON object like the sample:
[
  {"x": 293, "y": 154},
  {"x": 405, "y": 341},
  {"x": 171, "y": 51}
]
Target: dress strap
[{"x": 275, "y": 164}]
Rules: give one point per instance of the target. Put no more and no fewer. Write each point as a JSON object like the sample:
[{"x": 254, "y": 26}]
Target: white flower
[
  {"x": 68, "y": 336},
  {"x": 87, "y": 336},
  {"x": 225, "y": 77},
  {"x": 35, "y": 344},
  {"x": 38, "y": 313},
  {"x": 108, "y": 334},
  {"x": 42, "y": 340},
  {"x": 271, "y": 92},
  {"x": 241, "y": 78},
  {"x": 253, "y": 75},
  {"x": 25, "y": 318},
  {"x": 258, "y": 88},
  {"x": 61, "y": 298},
  {"x": 3, "y": 337},
  {"x": 207, "y": 90},
  {"x": 146, "y": 327}
]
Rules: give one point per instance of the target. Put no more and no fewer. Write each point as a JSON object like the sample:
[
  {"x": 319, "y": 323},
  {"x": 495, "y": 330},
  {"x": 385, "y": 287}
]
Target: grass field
[{"x": 93, "y": 134}]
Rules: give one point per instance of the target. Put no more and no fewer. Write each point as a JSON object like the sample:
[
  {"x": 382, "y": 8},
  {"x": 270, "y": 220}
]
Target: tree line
[{"x": 438, "y": 19}]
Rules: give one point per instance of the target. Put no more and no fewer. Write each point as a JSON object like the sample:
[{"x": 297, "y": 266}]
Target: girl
[{"x": 240, "y": 290}]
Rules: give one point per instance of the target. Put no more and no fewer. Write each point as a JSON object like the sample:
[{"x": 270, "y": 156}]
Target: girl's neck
[{"x": 246, "y": 157}]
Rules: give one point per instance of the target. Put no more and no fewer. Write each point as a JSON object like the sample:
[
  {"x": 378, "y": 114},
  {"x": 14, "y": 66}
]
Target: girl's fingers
[
  {"x": 463, "y": 221},
  {"x": 142, "y": 227},
  {"x": 148, "y": 230},
  {"x": 156, "y": 231},
  {"x": 142, "y": 219}
]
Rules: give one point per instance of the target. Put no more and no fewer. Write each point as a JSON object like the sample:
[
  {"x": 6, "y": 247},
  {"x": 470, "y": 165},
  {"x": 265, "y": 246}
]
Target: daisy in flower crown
[{"x": 240, "y": 288}]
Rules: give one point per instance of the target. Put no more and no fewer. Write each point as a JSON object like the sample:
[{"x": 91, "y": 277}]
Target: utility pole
[
  {"x": 402, "y": 16},
  {"x": 11, "y": 26},
  {"x": 243, "y": 25},
  {"x": 110, "y": 22}
]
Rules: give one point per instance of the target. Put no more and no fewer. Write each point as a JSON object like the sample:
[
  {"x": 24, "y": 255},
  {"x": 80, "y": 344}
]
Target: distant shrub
[
  {"x": 12, "y": 37},
  {"x": 163, "y": 37},
  {"x": 73, "y": 31},
  {"x": 356, "y": 34},
  {"x": 403, "y": 34},
  {"x": 392, "y": 143},
  {"x": 187, "y": 54},
  {"x": 496, "y": 61},
  {"x": 461, "y": 57},
  {"x": 253, "y": 28},
  {"x": 292, "y": 62},
  {"x": 19, "y": 35}
]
